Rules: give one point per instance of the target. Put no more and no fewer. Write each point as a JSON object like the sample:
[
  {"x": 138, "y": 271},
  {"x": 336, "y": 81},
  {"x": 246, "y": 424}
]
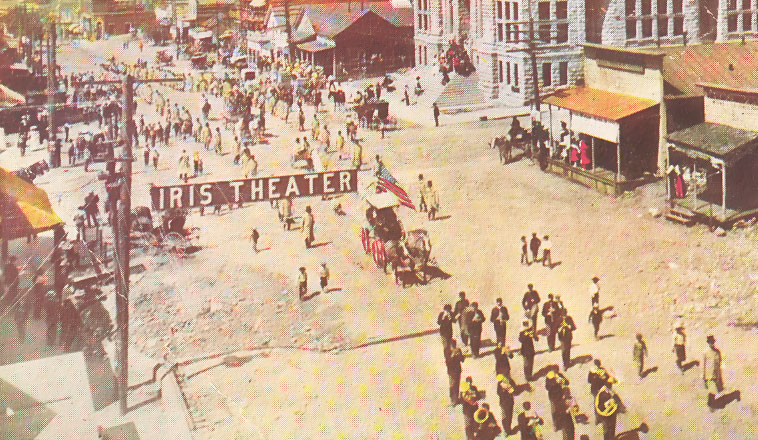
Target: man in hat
[
  {"x": 468, "y": 397},
  {"x": 453, "y": 360},
  {"x": 596, "y": 318},
  {"x": 302, "y": 281},
  {"x": 594, "y": 290},
  {"x": 499, "y": 317},
  {"x": 527, "y": 337},
  {"x": 551, "y": 314},
  {"x": 712, "y": 370},
  {"x": 475, "y": 327},
  {"x": 524, "y": 251},
  {"x": 505, "y": 391},
  {"x": 307, "y": 227},
  {"x": 324, "y": 277},
  {"x": 531, "y": 304},
  {"x": 445, "y": 321},
  {"x": 534, "y": 246},
  {"x": 422, "y": 194},
  {"x": 547, "y": 246},
  {"x": 502, "y": 355},
  {"x": 460, "y": 307},
  {"x": 433, "y": 199},
  {"x": 555, "y": 382},
  {"x": 184, "y": 166},
  {"x": 528, "y": 423},
  {"x": 486, "y": 426},
  {"x": 10, "y": 279},
  {"x": 680, "y": 340},
  {"x": 566, "y": 336}
]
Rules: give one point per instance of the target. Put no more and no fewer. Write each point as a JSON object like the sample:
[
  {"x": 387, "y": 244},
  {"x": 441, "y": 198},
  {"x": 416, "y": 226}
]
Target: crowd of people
[{"x": 559, "y": 327}]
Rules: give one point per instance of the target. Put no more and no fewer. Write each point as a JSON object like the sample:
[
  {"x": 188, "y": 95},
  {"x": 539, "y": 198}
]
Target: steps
[
  {"x": 681, "y": 216},
  {"x": 462, "y": 94}
]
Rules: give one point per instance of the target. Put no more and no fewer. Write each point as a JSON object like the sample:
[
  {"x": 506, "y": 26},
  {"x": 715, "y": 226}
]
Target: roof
[
  {"x": 9, "y": 98},
  {"x": 24, "y": 206},
  {"x": 721, "y": 141},
  {"x": 316, "y": 45},
  {"x": 598, "y": 103},
  {"x": 330, "y": 19},
  {"x": 728, "y": 63}
]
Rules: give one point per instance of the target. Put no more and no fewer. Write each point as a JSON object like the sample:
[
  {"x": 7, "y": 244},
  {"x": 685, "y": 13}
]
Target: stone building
[{"x": 496, "y": 34}]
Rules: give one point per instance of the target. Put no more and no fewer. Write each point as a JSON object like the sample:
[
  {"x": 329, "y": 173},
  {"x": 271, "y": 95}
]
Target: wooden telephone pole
[
  {"x": 52, "y": 89},
  {"x": 125, "y": 219}
]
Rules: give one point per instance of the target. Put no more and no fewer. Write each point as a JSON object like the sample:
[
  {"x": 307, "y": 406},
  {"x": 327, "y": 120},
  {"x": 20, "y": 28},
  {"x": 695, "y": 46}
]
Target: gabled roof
[
  {"x": 330, "y": 19},
  {"x": 729, "y": 63},
  {"x": 598, "y": 103}
]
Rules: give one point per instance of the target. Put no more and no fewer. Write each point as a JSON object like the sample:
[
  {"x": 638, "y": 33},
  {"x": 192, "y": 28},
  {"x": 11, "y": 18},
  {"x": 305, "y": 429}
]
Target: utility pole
[
  {"x": 532, "y": 51},
  {"x": 121, "y": 232},
  {"x": 51, "y": 91},
  {"x": 288, "y": 29}
]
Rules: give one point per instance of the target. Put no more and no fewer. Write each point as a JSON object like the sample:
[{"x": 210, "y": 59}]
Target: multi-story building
[{"x": 501, "y": 35}]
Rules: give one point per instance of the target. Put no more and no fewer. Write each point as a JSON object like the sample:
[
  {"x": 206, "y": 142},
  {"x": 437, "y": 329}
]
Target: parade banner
[{"x": 257, "y": 189}]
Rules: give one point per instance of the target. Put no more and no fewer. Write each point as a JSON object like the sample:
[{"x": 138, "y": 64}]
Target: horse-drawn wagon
[
  {"x": 374, "y": 115},
  {"x": 170, "y": 235},
  {"x": 405, "y": 252}
]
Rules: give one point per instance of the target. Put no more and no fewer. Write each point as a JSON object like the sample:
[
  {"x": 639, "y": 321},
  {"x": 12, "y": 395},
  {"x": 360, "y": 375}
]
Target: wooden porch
[{"x": 600, "y": 179}]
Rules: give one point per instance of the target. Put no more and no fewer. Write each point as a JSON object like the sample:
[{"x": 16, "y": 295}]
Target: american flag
[{"x": 388, "y": 183}]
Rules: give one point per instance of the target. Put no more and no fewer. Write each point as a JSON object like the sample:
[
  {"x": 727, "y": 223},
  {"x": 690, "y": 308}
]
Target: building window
[
  {"x": 543, "y": 11},
  {"x": 561, "y": 10},
  {"x": 547, "y": 74},
  {"x": 678, "y": 25},
  {"x": 508, "y": 72},
  {"x": 500, "y": 71},
  {"x": 663, "y": 20},
  {"x": 563, "y": 73},
  {"x": 515, "y": 74},
  {"x": 563, "y": 33},
  {"x": 544, "y": 33},
  {"x": 747, "y": 16},
  {"x": 677, "y": 4},
  {"x": 499, "y": 25},
  {"x": 731, "y": 23},
  {"x": 647, "y": 27},
  {"x": 426, "y": 60},
  {"x": 631, "y": 28}
]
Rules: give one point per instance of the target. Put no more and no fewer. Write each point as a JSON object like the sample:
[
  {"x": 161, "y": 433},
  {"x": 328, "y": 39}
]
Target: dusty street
[{"x": 364, "y": 360}]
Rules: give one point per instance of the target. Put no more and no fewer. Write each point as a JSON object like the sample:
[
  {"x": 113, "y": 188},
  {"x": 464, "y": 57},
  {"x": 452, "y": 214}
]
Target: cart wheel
[
  {"x": 147, "y": 241},
  {"x": 176, "y": 242},
  {"x": 365, "y": 240}
]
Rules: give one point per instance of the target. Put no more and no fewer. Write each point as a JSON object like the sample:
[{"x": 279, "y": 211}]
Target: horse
[
  {"x": 411, "y": 253},
  {"x": 338, "y": 96},
  {"x": 504, "y": 146}
]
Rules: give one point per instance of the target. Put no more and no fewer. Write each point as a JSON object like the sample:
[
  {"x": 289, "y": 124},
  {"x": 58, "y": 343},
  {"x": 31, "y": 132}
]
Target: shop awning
[
  {"x": 316, "y": 46},
  {"x": 24, "y": 208},
  {"x": 715, "y": 140},
  {"x": 199, "y": 34},
  {"x": 598, "y": 103},
  {"x": 9, "y": 98}
]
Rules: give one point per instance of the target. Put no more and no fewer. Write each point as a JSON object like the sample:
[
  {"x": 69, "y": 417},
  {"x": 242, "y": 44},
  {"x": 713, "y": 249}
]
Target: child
[
  {"x": 254, "y": 236},
  {"x": 324, "y": 274},
  {"x": 639, "y": 353},
  {"x": 596, "y": 317},
  {"x": 302, "y": 283}
]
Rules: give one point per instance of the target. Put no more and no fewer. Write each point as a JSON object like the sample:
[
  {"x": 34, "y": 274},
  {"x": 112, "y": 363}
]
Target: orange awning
[
  {"x": 24, "y": 208},
  {"x": 598, "y": 103}
]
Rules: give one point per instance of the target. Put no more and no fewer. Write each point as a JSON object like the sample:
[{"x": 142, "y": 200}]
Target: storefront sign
[{"x": 253, "y": 190}]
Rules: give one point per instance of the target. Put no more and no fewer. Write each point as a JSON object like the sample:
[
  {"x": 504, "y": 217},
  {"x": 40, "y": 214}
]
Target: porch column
[
  {"x": 334, "y": 63},
  {"x": 723, "y": 189},
  {"x": 618, "y": 161},
  {"x": 592, "y": 150}
]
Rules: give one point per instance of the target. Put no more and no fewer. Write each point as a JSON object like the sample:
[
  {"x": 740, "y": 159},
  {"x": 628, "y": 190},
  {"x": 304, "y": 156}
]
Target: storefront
[{"x": 601, "y": 139}]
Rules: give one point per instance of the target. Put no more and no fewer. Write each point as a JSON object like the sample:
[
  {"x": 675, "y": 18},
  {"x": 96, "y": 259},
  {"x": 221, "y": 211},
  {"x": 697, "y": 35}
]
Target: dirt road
[{"x": 227, "y": 297}]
